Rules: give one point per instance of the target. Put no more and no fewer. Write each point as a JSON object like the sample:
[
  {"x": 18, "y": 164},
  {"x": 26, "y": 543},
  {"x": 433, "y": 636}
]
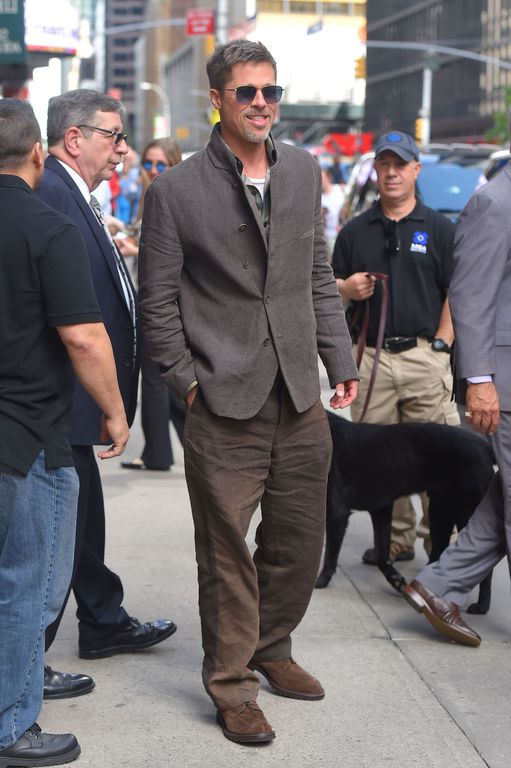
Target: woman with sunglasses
[{"x": 158, "y": 404}]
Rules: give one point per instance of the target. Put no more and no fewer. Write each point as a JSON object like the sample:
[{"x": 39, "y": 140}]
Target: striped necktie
[{"x": 123, "y": 275}]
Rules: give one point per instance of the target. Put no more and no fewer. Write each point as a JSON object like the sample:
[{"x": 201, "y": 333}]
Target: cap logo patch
[{"x": 393, "y": 137}]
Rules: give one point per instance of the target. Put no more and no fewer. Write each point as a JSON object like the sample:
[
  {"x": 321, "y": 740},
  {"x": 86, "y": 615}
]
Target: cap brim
[{"x": 401, "y": 152}]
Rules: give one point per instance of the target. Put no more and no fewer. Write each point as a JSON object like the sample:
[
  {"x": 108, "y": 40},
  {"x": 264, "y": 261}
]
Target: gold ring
[{"x": 468, "y": 415}]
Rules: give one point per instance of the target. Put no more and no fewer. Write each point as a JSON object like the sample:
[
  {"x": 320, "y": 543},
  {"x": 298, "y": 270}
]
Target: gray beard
[{"x": 256, "y": 138}]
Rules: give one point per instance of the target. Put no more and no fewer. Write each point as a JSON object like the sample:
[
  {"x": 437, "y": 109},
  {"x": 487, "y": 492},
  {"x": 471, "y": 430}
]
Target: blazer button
[
  {"x": 127, "y": 362},
  {"x": 246, "y": 265},
  {"x": 267, "y": 300},
  {"x": 242, "y": 227},
  {"x": 235, "y": 186},
  {"x": 266, "y": 342}
]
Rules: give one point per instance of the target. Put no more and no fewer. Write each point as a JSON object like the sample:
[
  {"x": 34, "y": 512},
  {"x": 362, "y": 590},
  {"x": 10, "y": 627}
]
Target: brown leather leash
[{"x": 384, "y": 279}]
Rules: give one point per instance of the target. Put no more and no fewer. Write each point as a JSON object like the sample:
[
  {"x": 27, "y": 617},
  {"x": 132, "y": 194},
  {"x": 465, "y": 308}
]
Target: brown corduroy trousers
[{"x": 249, "y": 605}]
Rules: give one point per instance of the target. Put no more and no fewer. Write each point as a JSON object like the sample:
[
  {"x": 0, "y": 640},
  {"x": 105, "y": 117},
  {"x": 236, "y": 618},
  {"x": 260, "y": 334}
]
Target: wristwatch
[{"x": 439, "y": 345}]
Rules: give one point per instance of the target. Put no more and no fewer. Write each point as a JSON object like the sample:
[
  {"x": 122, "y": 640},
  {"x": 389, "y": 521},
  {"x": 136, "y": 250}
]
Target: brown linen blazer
[{"x": 222, "y": 305}]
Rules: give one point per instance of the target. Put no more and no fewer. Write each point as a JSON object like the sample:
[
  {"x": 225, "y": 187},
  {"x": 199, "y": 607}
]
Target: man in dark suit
[
  {"x": 85, "y": 143},
  {"x": 238, "y": 298}
]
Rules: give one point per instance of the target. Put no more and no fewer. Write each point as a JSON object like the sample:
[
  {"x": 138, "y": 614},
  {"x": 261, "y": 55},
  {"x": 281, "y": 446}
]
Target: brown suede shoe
[
  {"x": 245, "y": 724},
  {"x": 442, "y": 615},
  {"x": 288, "y": 678}
]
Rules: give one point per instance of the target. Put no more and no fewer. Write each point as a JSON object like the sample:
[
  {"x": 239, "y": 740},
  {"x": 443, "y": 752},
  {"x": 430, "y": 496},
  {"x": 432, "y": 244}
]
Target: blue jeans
[{"x": 37, "y": 530}]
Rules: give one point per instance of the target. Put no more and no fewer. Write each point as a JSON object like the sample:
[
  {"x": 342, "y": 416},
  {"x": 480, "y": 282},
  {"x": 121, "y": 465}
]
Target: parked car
[
  {"x": 449, "y": 176},
  {"x": 496, "y": 162}
]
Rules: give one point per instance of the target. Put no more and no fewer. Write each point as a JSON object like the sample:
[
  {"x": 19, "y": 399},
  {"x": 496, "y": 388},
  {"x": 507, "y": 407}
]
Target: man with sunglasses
[
  {"x": 85, "y": 144},
  {"x": 237, "y": 298},
  {"x": 413, "y": 245}
]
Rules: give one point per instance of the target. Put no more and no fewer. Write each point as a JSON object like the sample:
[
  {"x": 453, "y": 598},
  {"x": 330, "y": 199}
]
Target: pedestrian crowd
[{"x": 218, "y": 287}]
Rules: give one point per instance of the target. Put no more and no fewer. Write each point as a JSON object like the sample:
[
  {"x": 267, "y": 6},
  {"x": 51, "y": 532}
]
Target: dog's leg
[
  {"x": 483, "y": 602},
  {"x": 443, "y": 515},
  {"x": 337, "y": 517},
  {"x": 382, "y": 522}
]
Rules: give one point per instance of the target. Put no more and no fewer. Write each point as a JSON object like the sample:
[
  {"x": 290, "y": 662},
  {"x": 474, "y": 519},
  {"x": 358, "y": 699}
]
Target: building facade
[
  {"x": 465, "y": 93},
  {"x": 119, "y": 52}
]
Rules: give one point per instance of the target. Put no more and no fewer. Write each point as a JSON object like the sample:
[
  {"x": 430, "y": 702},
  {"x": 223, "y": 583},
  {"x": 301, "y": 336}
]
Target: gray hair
[
  {"x": 77, "y": 108},
  {"x": 221, "y": 62},
  {"x": 19, "y": 131}
]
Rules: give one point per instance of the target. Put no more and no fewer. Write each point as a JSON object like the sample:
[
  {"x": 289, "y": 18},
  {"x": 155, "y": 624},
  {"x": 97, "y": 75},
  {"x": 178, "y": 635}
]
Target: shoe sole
[
  {"x": 287, "y": 692},
  {"x": 105, "y": 653},
  {"x": 244, "y": 738},
  {"x": 36, "y": 762},
  {"x": 68, "y": 694},
  {"x": 447, "y": 630}
]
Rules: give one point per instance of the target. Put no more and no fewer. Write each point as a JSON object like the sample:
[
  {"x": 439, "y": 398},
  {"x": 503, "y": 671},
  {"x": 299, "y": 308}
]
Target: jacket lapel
[{"x": 97, "y": 231}]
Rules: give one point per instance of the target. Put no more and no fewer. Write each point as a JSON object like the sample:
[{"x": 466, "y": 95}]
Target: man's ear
[
  {"x": 71, "y": 141},
  {"x": 216, "y": 100},
  {"x": 37, "y": 156}
]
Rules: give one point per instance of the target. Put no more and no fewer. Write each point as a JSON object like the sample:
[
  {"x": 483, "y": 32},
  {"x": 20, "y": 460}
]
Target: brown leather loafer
[
  {"x": 245, "y": 724},
  {"x": 288, "y": 678},
  {"x": 442, "y": 615}
]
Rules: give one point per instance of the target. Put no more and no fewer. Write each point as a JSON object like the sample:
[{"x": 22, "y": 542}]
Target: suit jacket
[
  {"x": 223, "y": 304},
  {"x": 59, "y": 191},
  {"x": 480, "y": 289}
]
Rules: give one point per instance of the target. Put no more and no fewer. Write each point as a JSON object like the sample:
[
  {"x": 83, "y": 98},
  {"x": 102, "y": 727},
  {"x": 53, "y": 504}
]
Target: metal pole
[
  {"x": 425, "y": 110},
  {"x": 222, "y": 7},
  {"x": 164, "y": 100}
]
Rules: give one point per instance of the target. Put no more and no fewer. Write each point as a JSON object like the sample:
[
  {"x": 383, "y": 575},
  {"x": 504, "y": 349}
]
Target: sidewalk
[{"x": 397, "y": 694}]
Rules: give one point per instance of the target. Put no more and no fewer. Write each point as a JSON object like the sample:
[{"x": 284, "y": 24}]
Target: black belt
[{"x": 398, "y": 343}]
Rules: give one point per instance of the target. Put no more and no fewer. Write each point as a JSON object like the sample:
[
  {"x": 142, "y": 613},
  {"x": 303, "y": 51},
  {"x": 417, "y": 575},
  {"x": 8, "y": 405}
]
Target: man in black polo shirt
[
  {"x": 50, "y": 324},
  {"x": 412, "y": 244}
]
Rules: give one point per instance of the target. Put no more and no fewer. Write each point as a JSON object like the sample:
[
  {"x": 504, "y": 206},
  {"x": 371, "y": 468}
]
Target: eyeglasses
[
  {"x": 160, "y": 167},
  {"x": 245, "y": 94},
  {"x": 392, "y": 244},
  {"x": 117, "y": 135}
]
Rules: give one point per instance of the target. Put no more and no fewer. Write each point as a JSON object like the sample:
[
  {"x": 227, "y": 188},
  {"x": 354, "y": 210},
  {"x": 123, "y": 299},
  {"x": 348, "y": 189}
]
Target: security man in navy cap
[{"x": 413, "y": 245}]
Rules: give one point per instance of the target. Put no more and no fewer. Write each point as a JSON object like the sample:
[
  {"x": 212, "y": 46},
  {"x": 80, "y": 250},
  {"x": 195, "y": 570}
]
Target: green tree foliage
[{"x": 499, "y": 132}]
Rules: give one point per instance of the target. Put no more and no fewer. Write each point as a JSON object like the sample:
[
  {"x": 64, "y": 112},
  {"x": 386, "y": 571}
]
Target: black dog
[{"x": 373, "y": 465}]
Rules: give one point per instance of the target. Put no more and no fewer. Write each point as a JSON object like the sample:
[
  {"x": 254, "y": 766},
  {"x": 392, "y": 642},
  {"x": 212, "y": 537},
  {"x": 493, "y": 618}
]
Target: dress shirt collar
[{"x": 80, "y": 183}]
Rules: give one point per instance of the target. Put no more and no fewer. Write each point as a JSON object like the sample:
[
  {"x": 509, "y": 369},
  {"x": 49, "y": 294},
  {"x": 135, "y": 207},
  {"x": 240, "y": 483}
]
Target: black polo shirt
[
  {"x": 419, "y": 272},
  {"x": 45, "y": 281}
]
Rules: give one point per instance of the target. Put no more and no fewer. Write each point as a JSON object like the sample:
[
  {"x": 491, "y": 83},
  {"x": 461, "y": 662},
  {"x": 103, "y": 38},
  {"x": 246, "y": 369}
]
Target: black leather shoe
[
  {"x": 139, "y": 464},
  {"x": 134, "y": 637},
  {"x": 36, "y": 748},
  {"x": 62, "y": 685}
]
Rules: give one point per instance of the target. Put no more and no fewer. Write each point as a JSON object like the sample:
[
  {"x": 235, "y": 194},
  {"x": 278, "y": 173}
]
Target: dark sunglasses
[
  {"x": 117, "y": 135},
  {"x": 245, "y": 94},
  {"x": 392, "y": 244},
  {"x": 160, "y": 167}
]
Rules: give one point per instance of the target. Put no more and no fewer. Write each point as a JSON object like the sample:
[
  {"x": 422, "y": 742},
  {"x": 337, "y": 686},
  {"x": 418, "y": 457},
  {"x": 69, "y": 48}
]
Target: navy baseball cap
[{"x": 400, "y": 143}]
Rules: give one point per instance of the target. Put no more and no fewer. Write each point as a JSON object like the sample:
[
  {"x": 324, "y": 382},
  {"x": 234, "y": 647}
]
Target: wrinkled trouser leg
[{"x": 250, "y": 605}]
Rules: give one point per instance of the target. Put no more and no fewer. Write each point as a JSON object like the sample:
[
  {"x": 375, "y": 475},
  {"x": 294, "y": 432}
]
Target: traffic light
[
  {"x": 419, "y": 130},
  {"x": 360, "y": 68}
]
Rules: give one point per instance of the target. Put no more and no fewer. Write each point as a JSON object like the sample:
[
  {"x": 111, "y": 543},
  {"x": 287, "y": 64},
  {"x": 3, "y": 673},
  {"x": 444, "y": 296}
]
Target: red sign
[
  {"x": 200, "y": 21},
  {"x": 348, "y": 143}
]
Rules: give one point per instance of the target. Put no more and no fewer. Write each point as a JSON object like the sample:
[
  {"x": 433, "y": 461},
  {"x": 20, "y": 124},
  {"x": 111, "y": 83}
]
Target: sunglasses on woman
[
  {"x": 160, "y": 167},
  {"x": 245, "y": 94}
]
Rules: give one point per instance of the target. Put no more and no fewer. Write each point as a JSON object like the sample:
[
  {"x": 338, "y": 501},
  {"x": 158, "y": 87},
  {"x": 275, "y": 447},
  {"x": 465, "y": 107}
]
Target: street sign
[
  {"x": 200, "y": 21},
  {"x": 12, "y": 32}
]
